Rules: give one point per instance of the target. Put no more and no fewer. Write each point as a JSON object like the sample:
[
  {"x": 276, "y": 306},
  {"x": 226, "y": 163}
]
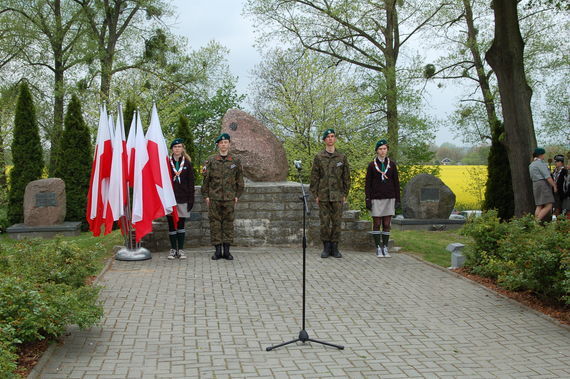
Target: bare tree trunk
[
  {"x": 391, "y": 56},
  {"x": 506, "y": 58},
  {"x": 59, "y": 89},
  {"x": 481, "y": 74}
]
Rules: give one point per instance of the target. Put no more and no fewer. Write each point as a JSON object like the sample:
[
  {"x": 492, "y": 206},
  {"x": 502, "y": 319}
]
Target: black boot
[
  {"x": 326, "y": 249},
  {"x": 218, "y": 254},
  {"x": 227, "y": 254},
  {"x": 334, "y": 250}
]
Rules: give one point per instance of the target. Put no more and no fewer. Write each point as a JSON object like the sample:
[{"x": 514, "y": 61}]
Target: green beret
[
  {"x": 380, "y": 143},
  {"x": 222, "y": 137},
  {"x": 176, "y": 142},
  {"x": 539, "y": 151},
  {"x": 327, "y": 132}
]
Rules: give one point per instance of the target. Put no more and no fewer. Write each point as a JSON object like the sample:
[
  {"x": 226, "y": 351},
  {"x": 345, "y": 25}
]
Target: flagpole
[{"x": 131, "y": 251}]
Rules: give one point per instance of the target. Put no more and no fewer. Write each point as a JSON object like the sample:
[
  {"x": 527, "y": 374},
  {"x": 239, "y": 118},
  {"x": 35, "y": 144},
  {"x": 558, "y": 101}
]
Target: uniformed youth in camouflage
[
  {"x": 223, "y": 185},
  {"x": 330, "y": 183}
]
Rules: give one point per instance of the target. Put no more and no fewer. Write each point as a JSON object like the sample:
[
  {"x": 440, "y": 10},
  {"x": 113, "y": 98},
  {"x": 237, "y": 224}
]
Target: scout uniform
[
  {"x": 330, "y": 182},
  {"x": 223, "y": 183},
  {"x": 183, "y": 186}
]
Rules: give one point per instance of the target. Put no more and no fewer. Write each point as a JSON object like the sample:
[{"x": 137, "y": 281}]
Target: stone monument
[
  {"x": 261, "y": 153},
  {"x": 427, "y": 203},
  {"x": 44, "y": 211}
]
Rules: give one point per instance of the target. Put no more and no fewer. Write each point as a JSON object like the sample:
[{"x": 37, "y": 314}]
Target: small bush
[
  {"x": 35, "y": 312},
  {"x": 522, "y": 255},
  {"x": 56, "y": 261}
]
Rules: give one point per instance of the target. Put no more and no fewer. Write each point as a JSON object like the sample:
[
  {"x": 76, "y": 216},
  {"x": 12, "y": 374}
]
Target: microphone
[{"x": 297, "y": 164}]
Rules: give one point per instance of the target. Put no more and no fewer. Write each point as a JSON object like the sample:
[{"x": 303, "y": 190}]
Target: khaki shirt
[
  {"x": 330, "y": 176},
  {"x": 538, "y": 170},
  {"x": 223, "y": 178}
]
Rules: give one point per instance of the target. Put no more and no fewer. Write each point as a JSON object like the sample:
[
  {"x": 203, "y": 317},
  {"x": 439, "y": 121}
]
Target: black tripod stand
[{"x": 303, "y": 335}]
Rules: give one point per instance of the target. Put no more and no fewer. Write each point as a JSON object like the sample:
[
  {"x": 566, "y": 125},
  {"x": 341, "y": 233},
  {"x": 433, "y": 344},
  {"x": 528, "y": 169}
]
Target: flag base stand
[{"x": 140, "y": 254}]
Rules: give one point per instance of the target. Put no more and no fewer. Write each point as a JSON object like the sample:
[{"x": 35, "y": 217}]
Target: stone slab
[
  {"x": 421, "y": 224},
  {"x": 22, "y": 231}
]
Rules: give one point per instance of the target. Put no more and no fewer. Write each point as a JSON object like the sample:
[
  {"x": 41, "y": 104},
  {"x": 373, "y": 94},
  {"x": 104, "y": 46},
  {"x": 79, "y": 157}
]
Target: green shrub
[
  {"x": 7, "y": 355},
  {"x": 38, "y": 311},
  {"x": 55, "y": 261},
  {"x": 486, "y": 232},
  {"x": 522, "y": 255}
]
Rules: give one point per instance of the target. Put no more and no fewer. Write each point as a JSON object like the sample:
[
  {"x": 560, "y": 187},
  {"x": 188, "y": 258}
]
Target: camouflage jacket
[
  {"x": 223, "y": 178},
  {"x": 330, "y": 176}
]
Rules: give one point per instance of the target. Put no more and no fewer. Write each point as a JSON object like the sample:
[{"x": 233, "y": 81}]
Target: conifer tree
[
  {"x": 499, "y": 190},
  {"x": 183, "y": 131},
  {"x": 130, "y": 108},
  {"x": 27, "y": 154},
  {"x": 74, "y": 167}
]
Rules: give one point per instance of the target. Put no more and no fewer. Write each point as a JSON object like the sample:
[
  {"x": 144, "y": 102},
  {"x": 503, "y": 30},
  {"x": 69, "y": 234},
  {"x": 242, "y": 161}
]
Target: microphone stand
[{"x": 303, "y": 335}]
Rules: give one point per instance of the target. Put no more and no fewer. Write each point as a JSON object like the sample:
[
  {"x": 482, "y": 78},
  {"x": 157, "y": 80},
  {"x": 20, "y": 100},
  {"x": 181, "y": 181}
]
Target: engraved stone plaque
[
  {"x": 429, "y": 194},
  {"x": 46, "y": 199}
]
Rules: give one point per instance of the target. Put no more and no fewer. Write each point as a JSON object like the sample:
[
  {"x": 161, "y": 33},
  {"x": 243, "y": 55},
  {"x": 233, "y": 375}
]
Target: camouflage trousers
[
  {"x": 221, "y": 214},
  {"x": 330, "y": 213}
]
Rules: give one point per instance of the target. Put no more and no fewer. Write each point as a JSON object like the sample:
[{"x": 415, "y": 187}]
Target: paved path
[{"x": 397, "y": 318}]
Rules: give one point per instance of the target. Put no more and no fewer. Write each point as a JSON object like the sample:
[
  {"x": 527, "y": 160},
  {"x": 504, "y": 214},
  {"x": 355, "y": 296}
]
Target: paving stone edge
[{"x": 513, "y": 301}]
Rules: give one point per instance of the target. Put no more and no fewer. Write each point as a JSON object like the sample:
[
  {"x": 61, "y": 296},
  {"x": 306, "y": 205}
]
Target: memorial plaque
[
  {"x": 429, "y": 194},
  {"x": 46, "y": 199}
]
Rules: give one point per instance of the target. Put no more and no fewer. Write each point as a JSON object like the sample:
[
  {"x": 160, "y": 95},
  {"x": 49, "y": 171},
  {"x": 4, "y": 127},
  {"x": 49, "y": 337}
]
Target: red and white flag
[
  {"x": 100, "y": 174},
  {"x": 117, "y": 186},
  {"x": 131, "y": 149},
  {"x": 153, "y": 193}
]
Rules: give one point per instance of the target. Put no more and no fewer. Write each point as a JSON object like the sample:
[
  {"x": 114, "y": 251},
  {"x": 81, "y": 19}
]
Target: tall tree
[
  {"x": 499, "y": 188},
  {"x": 75, "y": 164},
  {"x": 299, "y": 95},
  {"x": 26, "y": 153},
  {"x": 115, "y": 26},
  {"x": 471, "y": 66},
  {"x": 53, "y": 27},
  {"x": 363, "y": 33},
  {"x": 506, "y": 58},
  {"x": 74, "y": 167}
]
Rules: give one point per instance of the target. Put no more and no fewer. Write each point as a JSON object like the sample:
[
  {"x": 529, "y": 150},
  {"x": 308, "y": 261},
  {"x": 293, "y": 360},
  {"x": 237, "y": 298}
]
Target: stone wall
[{"x": 267, "y": 214}]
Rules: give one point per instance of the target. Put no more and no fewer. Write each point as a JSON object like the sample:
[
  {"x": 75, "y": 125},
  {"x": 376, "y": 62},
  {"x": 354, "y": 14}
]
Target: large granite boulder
[
  {"x": 427, "y": 197},
  {"x": 44, "y": 202},
  {"x": 261, "y": 153}
]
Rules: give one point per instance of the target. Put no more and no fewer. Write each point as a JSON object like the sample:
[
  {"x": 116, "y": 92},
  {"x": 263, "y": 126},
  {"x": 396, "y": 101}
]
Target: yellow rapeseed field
[{"x": 467, "y": 182}]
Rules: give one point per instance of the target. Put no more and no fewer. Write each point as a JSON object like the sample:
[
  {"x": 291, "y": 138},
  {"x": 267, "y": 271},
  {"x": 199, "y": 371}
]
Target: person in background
[
  {"x": 183, "y": 185},
  {"x": 222, "y": 187},
  {"x": 542, "y": 185},
  {"x": 559, "y": 176},
  {"x": 382, "y": 191},
  {"x": 329, "y": 185}
]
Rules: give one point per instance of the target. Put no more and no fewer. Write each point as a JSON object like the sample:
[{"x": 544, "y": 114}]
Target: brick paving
[{"x": 397, "y": 318}]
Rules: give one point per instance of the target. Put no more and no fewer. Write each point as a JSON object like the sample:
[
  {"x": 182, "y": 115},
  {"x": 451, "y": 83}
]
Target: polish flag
[
  {"x": 100, "y": 174},
  {"x": 118, "y": 185},
  {"x": 153, "y": 193},
  {"x": 130, "y": 149}
]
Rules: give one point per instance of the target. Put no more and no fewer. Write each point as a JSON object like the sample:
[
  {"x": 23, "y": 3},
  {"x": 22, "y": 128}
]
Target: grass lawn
[{"x": 428, "y": 245}]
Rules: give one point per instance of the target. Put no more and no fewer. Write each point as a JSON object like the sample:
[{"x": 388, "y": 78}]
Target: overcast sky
[{"x": 204, "y": 20}]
